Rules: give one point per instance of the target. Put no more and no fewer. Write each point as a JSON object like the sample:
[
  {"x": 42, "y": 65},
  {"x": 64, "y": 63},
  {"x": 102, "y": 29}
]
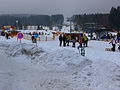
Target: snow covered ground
[{"x": 51, "y": 67}]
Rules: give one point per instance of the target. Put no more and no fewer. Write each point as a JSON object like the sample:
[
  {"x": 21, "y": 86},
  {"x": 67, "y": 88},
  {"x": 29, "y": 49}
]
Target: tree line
[
  {"x": 25, "y": 20},
  {"x": 110, "y": 20},
  {"x": 114, "y": 17},
  {"x": 102, "y": 19}
]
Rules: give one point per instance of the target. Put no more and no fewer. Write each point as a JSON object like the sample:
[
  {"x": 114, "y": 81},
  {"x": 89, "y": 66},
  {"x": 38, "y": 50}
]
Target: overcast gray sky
[{"x": 66, "y": 7}]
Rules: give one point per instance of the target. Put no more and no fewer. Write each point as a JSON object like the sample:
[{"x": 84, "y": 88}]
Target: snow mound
[
  {"x": 3, "y": 46},
  {"x": 22, "y": 49},
  {"x": 61, "y": 58}
]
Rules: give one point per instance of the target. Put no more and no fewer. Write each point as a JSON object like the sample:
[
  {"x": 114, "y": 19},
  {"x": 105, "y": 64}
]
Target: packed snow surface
[{"x": 47, "y": 66}]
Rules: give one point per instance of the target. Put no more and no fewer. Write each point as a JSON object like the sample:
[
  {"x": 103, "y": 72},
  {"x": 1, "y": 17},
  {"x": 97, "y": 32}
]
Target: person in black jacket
[
  {"x": 33, "y": 39},
  {"x": 7, "y": 36},
  {"x": 64, "y": 40},
  {"x": 60, "y": 39},
  {"x": 118, "y": 37}
]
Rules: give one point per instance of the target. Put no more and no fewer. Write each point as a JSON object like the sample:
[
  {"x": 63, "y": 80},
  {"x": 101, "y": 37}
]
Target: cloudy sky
[{"x": 66, "y": 7}]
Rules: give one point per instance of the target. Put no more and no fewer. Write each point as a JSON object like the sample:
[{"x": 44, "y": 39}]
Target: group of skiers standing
[{"x": 65, "y": 39}]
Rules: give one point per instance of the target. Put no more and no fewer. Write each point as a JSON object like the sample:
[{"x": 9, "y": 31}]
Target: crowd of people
[
  {"x": 108, "y": 36},
  {"x": 64, "y": 40}
]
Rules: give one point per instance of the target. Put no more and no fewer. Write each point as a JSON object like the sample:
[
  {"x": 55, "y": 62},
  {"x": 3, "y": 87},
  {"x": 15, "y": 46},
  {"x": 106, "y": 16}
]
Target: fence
[{"x": 41, "y": 38}]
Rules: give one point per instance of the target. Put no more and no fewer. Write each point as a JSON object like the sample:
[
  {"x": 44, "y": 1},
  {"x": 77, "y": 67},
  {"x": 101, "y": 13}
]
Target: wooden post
[
  {"x": 39, "y": 38},
  {"x": 36, "y": 42},
  {"x": 46, "y": 38},
  {"x": 20, "y": 40}
]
